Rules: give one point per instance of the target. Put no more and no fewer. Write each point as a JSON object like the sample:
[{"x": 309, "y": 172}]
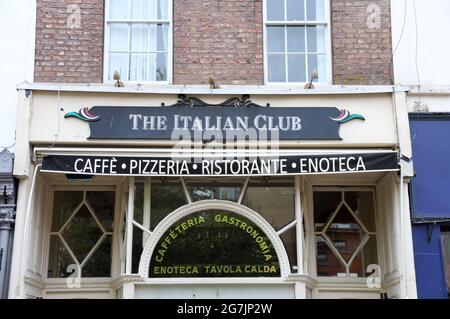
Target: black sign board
[
  {"x": 213, "y": 166},
  {"x": 195, "y": 120}
]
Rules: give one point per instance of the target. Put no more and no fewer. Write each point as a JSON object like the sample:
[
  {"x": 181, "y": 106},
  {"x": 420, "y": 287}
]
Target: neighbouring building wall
[
  {"x": 17, "y": 21},
  {"x": 361, "y": 40},
  {"x": 431, "y": 20},
  {"x": 421, "y": 62},
  {"x": 221, "y": 39},
  {"x": 69, "y": 41}
]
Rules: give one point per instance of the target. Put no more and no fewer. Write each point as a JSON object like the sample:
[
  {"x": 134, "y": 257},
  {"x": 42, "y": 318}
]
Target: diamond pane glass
[
  {"x": 327, "y": 262},
  {"x": 99, "y": 264},
  {"x": 59, "y": 259},
  {"x": 368, "y": 256},
  {"x": 363, "y": 206},
  {"x": 325, "y": 203},
  {"x": 103, "y": 205},
  {"x": 64, "y": 204},
  {"x": 82, "y": 233},
  {"x": 345, "y": 233}
]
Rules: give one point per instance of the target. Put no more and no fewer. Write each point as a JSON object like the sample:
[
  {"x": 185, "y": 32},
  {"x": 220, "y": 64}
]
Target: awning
[{"x": 141, "y": 162}]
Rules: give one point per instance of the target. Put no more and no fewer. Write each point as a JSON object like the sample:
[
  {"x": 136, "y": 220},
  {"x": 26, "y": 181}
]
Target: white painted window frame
[
  {"x": 314, "y": 233},
  {"x": 296, "y": 222},
  {"x": 169, "y": 22},
  {"x": 328, "y": 45},
  {"x": 114, "y": 234}
]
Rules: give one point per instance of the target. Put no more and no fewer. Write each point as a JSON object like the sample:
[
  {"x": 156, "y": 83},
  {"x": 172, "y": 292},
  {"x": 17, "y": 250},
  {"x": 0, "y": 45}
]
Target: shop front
[{"x": 212, "y": 194}]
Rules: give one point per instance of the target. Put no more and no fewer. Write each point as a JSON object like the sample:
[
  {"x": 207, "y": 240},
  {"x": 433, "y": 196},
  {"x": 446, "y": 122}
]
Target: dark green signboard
[{"x": 214, "y": 244}]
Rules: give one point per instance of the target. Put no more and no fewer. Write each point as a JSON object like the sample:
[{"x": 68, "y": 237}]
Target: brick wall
[
  {"x": 361, "y": 55},
  {"x": 218, "y": 38},
  {"x": 64, "y": 51}
]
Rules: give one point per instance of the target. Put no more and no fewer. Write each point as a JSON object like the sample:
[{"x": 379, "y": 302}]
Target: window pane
[
  {"x": 289, "y": 239},
  {"x": 275, "y": 10},
  {"x": 103, "y": 205},
  {"x": 318, "y": 63},
  {"x": 118, "y": 37},
  {"x": 167, "y": 195},
  {"x": 118, "y": 9},
  {"x": 82, "y": 233},
  {"x": 139, "y": 37},
  {"x": 162, "y": 37},
  {"x": 325, "y": 203},
  {"x": 446, "y": 249},
  {"x": 64, "y": 204},
  {"x": 277, "y": 68},
  {"x": 138, "y": 67},
  {"x": 275, "y": 39},
  {"x": 159, "y": 10},
  {"x": 368, "y": 256},
  {"x": 118, "y": 62},
  {"x": 345, "y": 228},
  {"x": 362, "y": 205},
  {"x": 274, "y": 203},
  {"x": 138, "y": 245},
  {"x": 295, "y": 39},
  {"x": 59, "y": 259},
  {"x": 316, "y": 39},
  {"x": 139, "y": 9},
  {"x": 208, "y": 191},
  {"x": 99, "y": 264},
  {"x": 315, "y": 10},
  {"x": 161, "y": 66},
  {"x": 297, "y": 68},
  {"x": 327, "y": 262},
  {"x": 295, "y": 10}
]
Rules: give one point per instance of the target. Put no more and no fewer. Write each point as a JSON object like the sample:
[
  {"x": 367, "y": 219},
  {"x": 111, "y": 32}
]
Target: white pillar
[{"x": 409, "y": 275}]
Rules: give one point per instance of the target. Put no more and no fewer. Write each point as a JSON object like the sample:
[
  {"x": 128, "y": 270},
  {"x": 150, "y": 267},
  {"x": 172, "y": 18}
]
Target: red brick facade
[
  {"x": 222, "y": 39},
  {"x": 361, "y": 55},
  {"x": 65, "y": 52},
  {"x": 218, "y": 38}
]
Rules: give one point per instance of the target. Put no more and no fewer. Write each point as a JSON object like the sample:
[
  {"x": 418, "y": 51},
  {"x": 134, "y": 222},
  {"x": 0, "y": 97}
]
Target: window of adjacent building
[
  {"x": 346, "y": 238},
  {"x": 81, "y": 234},
  {"x": 297, "y": 40},
  {"x": 446, "y": 252},
  {"x": 138, "y": 40}
]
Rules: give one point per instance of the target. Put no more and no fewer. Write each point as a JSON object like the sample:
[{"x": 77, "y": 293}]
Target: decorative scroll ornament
[
  {"x": 83, "y": 114},
  {"x": 243, "y": 101},
  {"x": 345, "y": 117}
]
